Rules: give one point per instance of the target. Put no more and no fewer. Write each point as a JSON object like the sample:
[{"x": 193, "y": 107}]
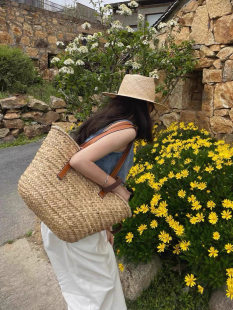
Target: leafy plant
[
  {"x": 17, "y": 71},
  {"x": 87, "y": 71},
  {"x": 168, "y": 292},
  {"x": 183, "y": 205}
]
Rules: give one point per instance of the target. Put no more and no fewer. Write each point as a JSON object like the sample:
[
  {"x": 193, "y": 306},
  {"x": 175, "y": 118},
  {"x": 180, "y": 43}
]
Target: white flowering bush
[{"x": 100, "y": 65}]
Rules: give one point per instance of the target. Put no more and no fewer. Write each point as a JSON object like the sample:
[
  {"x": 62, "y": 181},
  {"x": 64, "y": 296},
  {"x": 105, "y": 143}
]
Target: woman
[{"x": 87, "y": 270}]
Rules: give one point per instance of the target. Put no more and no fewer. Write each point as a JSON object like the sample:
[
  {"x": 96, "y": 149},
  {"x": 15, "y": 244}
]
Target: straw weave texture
[
  {"x": 71, "y": 207},
  {"x": 140, "y": 86}
]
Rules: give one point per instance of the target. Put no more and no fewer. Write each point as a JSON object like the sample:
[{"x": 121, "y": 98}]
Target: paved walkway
[
  {"x": 27, "y": 280},
  {"x": 15, "y": 218}
]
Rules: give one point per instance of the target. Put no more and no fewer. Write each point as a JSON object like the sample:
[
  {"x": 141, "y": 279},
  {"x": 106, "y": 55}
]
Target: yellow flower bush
[{"x": 182, "y": 205}]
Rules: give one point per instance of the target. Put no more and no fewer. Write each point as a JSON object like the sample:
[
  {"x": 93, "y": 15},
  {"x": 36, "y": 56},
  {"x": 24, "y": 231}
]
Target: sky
[{"x": 85, "y": 2}]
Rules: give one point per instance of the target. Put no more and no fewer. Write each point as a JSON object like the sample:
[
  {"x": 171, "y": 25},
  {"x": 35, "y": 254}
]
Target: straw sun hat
[{"x": 138, "y": 87}]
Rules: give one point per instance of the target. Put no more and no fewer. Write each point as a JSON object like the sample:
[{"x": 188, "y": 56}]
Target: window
[
  {"x": 152, "y": 18},
  {"x": 134, "y": 27}
]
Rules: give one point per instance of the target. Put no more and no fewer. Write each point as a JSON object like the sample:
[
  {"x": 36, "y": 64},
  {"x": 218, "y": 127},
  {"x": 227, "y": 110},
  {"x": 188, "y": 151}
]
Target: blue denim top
[{"x": 108, "y": 162}]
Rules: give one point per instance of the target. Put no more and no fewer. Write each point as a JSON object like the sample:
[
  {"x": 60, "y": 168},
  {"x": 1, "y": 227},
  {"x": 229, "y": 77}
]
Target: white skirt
[{"x": 86, "y": 271}]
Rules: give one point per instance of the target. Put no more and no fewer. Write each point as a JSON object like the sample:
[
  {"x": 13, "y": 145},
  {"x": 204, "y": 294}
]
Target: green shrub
[
  {"x": 182, "y": 205},
  {"x": 17, "y": 71}
]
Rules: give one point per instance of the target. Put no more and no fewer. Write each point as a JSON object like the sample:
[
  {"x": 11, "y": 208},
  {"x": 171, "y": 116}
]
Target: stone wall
[
  {"x": 36, "y": 30},
  {"x": 210, "y": 24},
  {"x": 32, "y": 116}
]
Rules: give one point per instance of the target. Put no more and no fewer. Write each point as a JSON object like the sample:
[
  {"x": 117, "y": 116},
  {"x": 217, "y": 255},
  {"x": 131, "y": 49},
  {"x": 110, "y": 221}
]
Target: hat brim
[{"x": 158, "y": 106}]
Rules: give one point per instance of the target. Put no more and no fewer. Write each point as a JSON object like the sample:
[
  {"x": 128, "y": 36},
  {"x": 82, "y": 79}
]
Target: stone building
[
  {"x": 36, "y": 30},
  {"x": 206, "y": 97},
  {"x": 152, "y": 10}
]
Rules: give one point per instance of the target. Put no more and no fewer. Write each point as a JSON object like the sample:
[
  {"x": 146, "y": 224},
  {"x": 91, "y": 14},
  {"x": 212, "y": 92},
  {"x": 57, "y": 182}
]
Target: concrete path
[
  {"x": 27, "y": 280},
  {"x": 15, "y": 218}
]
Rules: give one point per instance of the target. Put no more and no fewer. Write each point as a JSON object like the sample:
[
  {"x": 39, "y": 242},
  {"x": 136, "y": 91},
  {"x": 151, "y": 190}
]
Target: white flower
[
  {"x": 140, "y": 17},
  {"x": 71, "y": 48},
  {"x": 94, "y": 45},
  {"x": 133, "y": 64},
  {"x": 117, "y": 24},
  {"x": 154, "y": 74},
  {"x": 54, "y": 60},
  {"x": 129, "y": 63},
  {"x": 95, "y": 35},
  {"x": 136, "y": 65},
  {"x": 68, "y": 61},
  {"x": 129, "y": 29},
  {"x": 106, "y": 44},
  {"x": 79, "y": 62},
  {"x": 89, "y": 38},
  {"x": 109, "y": 31},
  {"x": 124, "y": 10},
  {"x": 172, "y": 23},
  {"x": 76, "y": 40},
  {"x": 133, "y": 4},
  {"x": 106, "y": 19},
  {"x": 96, "y": 88},
  {"x": 86, "y": 26},
  {"x": 152, "y": 30},
  {"x": 66, "y": 70},
  {"x": 128, "y": 47},
  {"x": 71, "y": 70},
  {"x": 106, "y": 9},
  {"x": 83, "y": 50},
  {"x": 145, "y": 42},
  {"x": 162, "y": 25},
  {"x": 120, "y": 44},
  {"x": 60, "y": 43}
]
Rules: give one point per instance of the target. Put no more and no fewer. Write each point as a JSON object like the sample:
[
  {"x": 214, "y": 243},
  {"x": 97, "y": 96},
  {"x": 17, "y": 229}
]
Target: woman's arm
[{"x": 83, "y": 161}]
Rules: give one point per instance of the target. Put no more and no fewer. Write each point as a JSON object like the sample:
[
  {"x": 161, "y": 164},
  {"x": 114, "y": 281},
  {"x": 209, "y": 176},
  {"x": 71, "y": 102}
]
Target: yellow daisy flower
[
  {"x": 154, "y": 224},
  {"x": 176, "y": 249},
  {"x": 210, "y": 204},
  {"x": 226, "y": 215},
  {"x": 161, "y": 247},
  {"x": 229, "y": 272},
  {"x": 200, "y": 217},
  {"x": 141, "y": 228},
  {"x": 230, "y": 282},
  {"x": 216, "y": 235},
  {"x": 229, "y": 248},
  {"x": 229, "y": 293},
  {"x": 184, "y": 245},
  {"x": 190, "y": 280},
  {"x": 213, "y": 252},
  {"x": 181, "y": 193},
  {"x": 129, "y": 237},
  {"x": 200, "y": 289},
  {"x": 213, "y": 218},
  {"x": 197, "y": 168},
  {"x": 121, "y": 267}
]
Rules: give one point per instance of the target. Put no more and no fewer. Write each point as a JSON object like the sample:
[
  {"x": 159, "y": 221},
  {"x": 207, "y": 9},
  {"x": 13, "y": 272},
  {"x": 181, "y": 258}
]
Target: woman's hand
[{"x": 110, "y": 237}]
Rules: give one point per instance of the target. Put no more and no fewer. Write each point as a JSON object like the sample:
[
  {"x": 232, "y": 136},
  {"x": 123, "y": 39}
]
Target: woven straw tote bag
[{"x": 71, "y": 205}]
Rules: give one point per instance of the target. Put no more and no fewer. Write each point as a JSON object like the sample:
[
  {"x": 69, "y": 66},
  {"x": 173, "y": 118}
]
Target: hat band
[{"x": 146, "y": 98}]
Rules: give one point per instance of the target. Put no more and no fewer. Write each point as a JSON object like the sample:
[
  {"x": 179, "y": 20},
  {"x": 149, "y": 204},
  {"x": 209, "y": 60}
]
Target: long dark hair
[{"x": 119, "y": 108}]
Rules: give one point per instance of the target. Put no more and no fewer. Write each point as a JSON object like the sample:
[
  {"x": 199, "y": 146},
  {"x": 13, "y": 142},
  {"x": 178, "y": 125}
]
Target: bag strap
[{"x": 113, "y": 128}]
